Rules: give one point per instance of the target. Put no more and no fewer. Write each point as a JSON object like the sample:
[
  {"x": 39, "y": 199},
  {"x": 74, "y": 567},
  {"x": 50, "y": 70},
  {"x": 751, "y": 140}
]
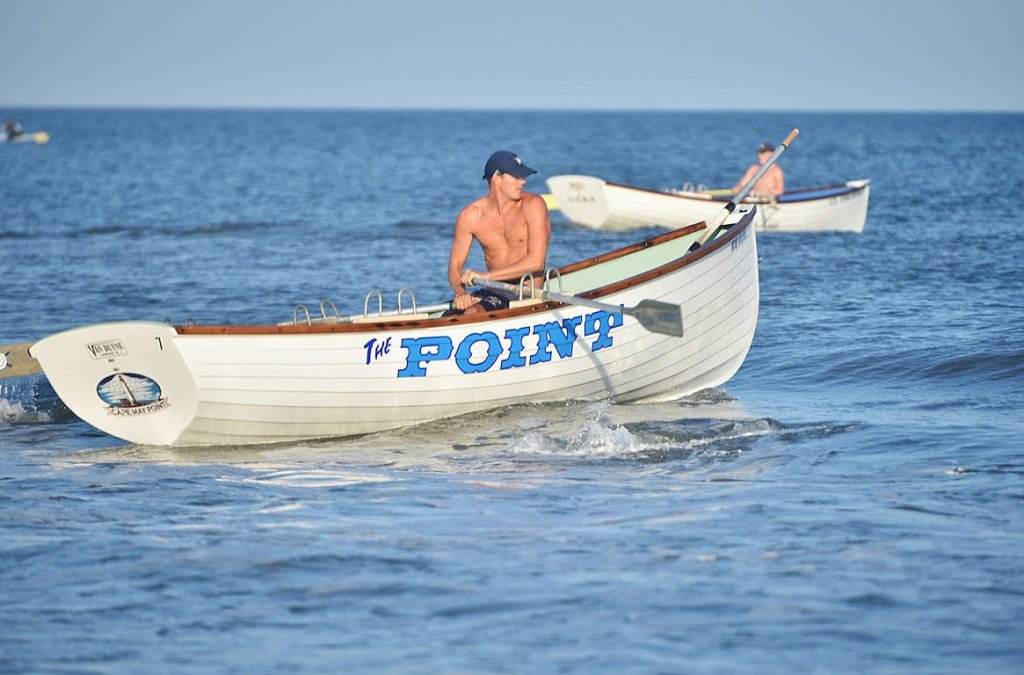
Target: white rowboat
[
  {"x": 158, "y": 384},
  {"x": 603, "y": 205}
]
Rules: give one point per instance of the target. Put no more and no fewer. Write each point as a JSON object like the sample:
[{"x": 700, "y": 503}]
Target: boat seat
[
  {"x": 525, "y": 302},
  {"x": 318, "y": 321},
  {"x": 390, "y": 318}
]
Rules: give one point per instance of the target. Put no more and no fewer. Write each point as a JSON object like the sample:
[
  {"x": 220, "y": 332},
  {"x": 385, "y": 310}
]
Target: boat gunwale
[
  {"x": 395, "y": 323},
  {"x": 700, "y": 197}
]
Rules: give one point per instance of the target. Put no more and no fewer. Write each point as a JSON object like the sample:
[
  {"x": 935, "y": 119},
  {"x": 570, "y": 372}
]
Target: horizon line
[{"x": 481, "y": 109}]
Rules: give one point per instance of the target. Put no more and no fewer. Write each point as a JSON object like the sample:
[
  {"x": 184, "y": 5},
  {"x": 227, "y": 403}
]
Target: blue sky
[{"x": 536, "y": 54}]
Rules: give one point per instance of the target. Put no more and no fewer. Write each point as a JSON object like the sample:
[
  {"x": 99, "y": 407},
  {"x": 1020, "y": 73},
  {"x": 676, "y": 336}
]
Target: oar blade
[
  {"x": 15, "y": 361},
  {"x": 659, "y": 317}
]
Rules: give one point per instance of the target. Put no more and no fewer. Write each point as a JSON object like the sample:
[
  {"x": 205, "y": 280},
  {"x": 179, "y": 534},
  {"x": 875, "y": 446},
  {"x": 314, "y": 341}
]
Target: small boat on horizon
[{"x": 38, "y": 137}]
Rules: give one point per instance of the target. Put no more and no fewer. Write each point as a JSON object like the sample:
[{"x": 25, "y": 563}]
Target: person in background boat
[
  {"x": 511, "y": 226},
  {"x": 12, "y": 130},
  {"x": 772, "y": 183}
]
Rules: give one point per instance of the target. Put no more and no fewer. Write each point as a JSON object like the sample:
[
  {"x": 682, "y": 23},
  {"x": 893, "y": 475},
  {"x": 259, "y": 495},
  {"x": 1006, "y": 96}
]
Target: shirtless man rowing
[
  {"x": 772, "y": 183},
  {"x": 511, "y": 226}
]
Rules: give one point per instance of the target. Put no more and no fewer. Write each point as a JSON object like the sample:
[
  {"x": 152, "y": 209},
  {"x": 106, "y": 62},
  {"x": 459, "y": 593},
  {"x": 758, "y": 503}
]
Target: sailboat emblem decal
[{"x": 131, "y": 394}]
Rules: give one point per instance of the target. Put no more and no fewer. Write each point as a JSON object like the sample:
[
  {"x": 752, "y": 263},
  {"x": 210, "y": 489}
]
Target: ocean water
[{"x": 851, "y": 501}]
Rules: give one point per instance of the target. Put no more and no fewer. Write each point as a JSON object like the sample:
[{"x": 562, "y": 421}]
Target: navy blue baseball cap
[{"x": 504, "y": 161}]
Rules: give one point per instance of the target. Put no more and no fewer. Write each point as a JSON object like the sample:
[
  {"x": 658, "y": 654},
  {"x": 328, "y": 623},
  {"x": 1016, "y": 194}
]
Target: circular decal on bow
[{"x": 128, "y": 390}]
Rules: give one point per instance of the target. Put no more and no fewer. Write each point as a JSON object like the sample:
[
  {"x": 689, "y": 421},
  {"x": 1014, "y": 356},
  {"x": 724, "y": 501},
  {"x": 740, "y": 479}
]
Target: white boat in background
[
  {"x": 603, "y": 205},
  {"x": 158, "y": 384}
]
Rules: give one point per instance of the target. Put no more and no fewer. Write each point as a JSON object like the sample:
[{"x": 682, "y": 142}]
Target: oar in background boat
[
  {"x": 654, "y": 315},
  {"x": 718, "y": 220}
]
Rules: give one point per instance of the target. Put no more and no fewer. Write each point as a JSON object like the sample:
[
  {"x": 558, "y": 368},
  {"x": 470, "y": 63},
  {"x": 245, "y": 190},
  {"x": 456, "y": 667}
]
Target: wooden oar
[
  {"x": 718, "y": 220},
  {"x": 654, "y": 315},
  {"x": 15, "y": 361}
]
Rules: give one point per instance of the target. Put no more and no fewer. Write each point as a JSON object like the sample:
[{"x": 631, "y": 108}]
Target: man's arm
[
  {"x": 462, "y": 241},
  {"x": 747, "y": 176}
]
